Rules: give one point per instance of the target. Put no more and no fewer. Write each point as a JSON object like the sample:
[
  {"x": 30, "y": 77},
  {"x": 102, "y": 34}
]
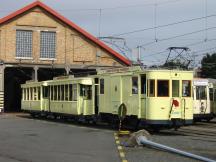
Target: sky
[{"x": 179, "y": 23}]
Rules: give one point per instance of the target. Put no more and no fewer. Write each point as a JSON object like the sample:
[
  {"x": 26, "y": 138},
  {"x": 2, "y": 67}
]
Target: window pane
[
  {"x": 70, "y": 92},
  {"x": 39, "y": 93},
  {"x": 66, "y": 92},
  {"x": 89, "y": 92},
  {"x": 59, "y": 93},
  {"x": 175, "y": 88},
  {"x": 55, "y": 93},
  {"x": 211, "y": 94},
  {"x": 47, "y": 44},
  {"x": 31, "y": 93},
  {"x": 186, "y": 88},
  {"x": 74, "y": 97},
  {"x": 62, "y": 92},
  {"x": 163, "y": 88},
  {"x": 45, "y": 91},
  {"x": 35, "y": 93},
  {"x": 151, "y": 88},
  {"x": 143, "y": 84},
  {"x": 51, "y": 92},
  {"x": 201, "y": 92},
  {"x": 101, "y": 86},
  {"x": 23, "y": 43},
  {"x": 214, "y": 94},
  {"x": 134, "y": 85}
]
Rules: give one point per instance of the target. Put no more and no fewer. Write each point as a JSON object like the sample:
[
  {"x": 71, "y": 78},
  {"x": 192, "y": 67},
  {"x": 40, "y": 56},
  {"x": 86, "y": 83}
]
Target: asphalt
[
  {"x": 24, "y": 139},
  {"x": 199, "y": 139},
  {"x": 31, "y": 140}
]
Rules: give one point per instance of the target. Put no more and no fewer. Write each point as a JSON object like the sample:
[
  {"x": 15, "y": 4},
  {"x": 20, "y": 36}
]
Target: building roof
[{"x": 69, "y": 23}]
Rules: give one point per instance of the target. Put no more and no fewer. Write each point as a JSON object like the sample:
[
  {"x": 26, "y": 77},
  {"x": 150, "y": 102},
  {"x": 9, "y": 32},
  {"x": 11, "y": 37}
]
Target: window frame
[
  {"x": 47, "y": 56},
  {"x": 149, "y": 87},
  {"x": 179, "y": 92},
  {"x": 168, "y": 88},
  {"x": 134, "y": 88},
  {"x": 190, "y": 88},
  {"x": 102, "y": 87},
  {"x": 24, "y": 56}
]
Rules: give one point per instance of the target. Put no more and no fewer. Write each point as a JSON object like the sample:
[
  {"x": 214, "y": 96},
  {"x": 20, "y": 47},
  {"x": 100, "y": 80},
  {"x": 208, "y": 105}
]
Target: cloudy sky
[{"x": 179, "y": 23}]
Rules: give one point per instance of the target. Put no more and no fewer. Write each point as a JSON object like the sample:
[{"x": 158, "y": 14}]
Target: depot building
[{"x": 37, "y": 43}]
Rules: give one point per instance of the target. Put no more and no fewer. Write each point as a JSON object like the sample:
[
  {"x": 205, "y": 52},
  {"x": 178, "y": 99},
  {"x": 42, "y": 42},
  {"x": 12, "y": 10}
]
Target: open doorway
[{"x": 13, "y": 78}]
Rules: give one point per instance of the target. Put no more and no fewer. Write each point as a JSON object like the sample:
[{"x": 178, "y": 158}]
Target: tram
[
  {"x": 203, "y": 94},
  {"x": 149, "y": 97},
  {"x": 156, "y": 97}
]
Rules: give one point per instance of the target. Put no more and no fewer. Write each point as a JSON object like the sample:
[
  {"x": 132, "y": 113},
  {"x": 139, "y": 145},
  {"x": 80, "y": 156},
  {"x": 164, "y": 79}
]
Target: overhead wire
[{"x": 165, "y": 25}]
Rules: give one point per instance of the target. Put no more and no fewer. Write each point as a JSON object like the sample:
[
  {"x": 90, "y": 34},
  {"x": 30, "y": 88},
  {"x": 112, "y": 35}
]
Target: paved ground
[
  {"x": 28, "y": 140},
  {"x": 23, "y": 139},
  {"x": 199, "y": 139}
]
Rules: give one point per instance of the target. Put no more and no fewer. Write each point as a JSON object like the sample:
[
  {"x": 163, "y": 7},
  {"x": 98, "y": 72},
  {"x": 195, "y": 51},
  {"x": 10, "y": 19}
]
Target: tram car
[
  {"x": 212, "y": 93},
  {"x": 63, "y": 96},
  {"x": 149, "y": 97},
  {"x": 203, "y": 94},
  {"x": 155, "y": 97}
]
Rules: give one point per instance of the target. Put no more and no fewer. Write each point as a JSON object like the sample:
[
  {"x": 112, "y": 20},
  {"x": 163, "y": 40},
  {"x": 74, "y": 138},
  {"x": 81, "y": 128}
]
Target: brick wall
[{"x": 72, "y": 48}]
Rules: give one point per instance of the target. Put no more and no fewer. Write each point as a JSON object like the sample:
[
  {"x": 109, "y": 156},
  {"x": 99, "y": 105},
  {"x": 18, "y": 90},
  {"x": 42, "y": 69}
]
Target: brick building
[{"x": 38, "y": 43}]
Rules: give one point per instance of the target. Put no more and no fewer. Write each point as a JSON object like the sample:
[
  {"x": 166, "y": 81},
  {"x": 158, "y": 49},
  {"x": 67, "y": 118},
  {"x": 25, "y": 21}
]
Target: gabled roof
[{"x": 69, "y": 23}]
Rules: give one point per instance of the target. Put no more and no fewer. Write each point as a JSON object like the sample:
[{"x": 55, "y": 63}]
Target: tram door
[
  {"x": 201, "y": 100},
  {"x": 46, "y": 99},
  {"x": 86, "y": 99},
  {"x": 177, "y": 104},
  {"x": 115, "y": 93}
]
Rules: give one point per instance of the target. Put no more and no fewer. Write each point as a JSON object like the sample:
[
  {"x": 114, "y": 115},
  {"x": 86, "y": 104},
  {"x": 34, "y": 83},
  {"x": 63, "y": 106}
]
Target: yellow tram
[{"x": 154, "y": 97}]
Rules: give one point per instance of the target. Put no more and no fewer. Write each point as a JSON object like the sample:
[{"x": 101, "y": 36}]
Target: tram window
[
  {"x": 151, "y": 88},
  {"x": 70, "y": 92},
  {"x": 39, "y": 93},
  {"x": 101, "y": 86},
  {"x": 62, "y": 92},
  {"x": 89, "y": 92},
  {"x": 186, "y": 88},
  {"x": 23, "y": 93},
  {"x": 35, "y": 93},
  {"x": 74, "y": 96},
  {"x": 134, "y": 85},
  {"x": 59, "y": 93},
  {"x": 96, "y": 80},
  {"x": 51, "y": 92},
  {"x": 214, "y": 94},
  {"x": 66, "y": 92},
  {"x": 211, "y": 94},
  {"x": 45, "y": 92},
  {"x": 163, "y": 88},
  {"x": 27, "y": 93},
  {"x": 31, "y": 93},
  {"x": 143, "y": 84},
  {"x": 201, "y": 93},
  {"x": 82, "y": 90},
  {"x": 175, "y": 88},
  {"x": 55, "y": 89}
]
